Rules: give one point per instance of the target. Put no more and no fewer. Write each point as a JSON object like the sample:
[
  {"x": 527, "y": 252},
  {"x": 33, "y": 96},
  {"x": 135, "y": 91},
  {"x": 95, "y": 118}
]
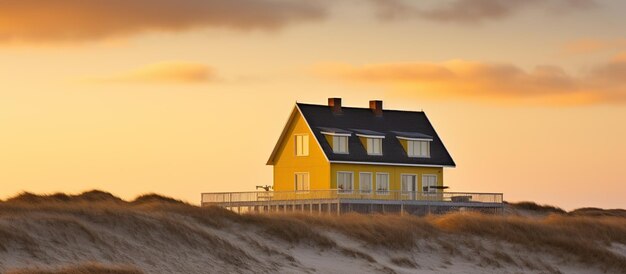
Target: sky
[{"x": 189, "y": 96}]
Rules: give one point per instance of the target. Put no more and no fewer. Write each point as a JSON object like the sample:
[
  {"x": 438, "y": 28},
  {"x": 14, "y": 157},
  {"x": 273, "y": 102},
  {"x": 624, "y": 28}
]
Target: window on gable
[
  {"x": 340, "y": 144},
  {"x": 375, "y": 146},
  {"x": 302, "y": 145},
  {"x": 418, "y": 149}
]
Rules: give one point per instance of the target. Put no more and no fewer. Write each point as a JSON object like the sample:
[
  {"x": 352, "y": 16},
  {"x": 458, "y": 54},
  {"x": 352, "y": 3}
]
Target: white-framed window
[
  {"x": 382, "y": 183},
  {"x": 302, "y": 181},
  {"x": 345, "y": 181},
  {"x": 418, "y": 149},
  {"x": 302, "y": 145},
  {"x": 365, "y": 182},
  {"x": 340, "y": 144},
  {"x": 408, "y": 182},
  {"x": 429, "y": 182},
  {"x": 374, "y": 146}
]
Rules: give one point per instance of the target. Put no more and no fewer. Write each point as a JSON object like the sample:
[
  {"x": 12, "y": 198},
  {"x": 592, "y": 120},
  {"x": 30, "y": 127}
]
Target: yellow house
[{"x": 358, "y": 150}]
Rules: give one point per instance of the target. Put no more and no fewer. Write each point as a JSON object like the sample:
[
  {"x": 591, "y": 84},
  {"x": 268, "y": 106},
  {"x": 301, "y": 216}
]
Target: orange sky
[{"x": 183, "y": 97}]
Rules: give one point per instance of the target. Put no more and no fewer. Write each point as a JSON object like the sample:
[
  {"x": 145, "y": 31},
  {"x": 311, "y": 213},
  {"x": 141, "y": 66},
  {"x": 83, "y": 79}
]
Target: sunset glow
[{"x": 183, "y": 97}]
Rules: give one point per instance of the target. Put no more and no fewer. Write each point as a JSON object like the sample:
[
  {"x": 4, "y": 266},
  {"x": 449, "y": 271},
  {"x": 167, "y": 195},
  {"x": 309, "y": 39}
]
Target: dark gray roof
[
  {"x": 416, "y": 135},
  {"x": 334, "y": 130},
  {"x": 392, "y": 123},
  {"x": 368, "y": 132}
]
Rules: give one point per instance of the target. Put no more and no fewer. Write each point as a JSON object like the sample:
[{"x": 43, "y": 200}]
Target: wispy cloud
[
  {"x": 85, "y": 20},
  {"x": 592, "y": 45},
  {"x": 490, "y": 82},
  {"x": 471, "y": 11},
  {"x": 172, "y": 72},
  {"x": 71, "y": 21}
]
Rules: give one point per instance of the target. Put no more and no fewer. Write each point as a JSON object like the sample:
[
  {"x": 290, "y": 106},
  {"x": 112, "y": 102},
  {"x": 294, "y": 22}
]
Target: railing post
[{"x": 401, "y": 205}]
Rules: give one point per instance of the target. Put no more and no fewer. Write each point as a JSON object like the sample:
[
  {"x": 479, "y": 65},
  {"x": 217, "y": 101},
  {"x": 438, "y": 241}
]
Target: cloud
[
  {"x": 173, "y": 72},
  {"x": 592, "y": 45},
  {"x": 471, "y": 11},
  {"x": 490, "y": 82},
  {"x": 45, "y": 21},
  {"x": 84, "y": 20}
]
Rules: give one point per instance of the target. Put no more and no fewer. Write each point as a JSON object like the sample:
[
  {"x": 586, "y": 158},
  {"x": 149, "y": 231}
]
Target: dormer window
[
  {"x": 340, "y": 144},
  {"x": 417, "y": 145},
  {"x": 418, "y": 149},
  {"x": 371, "y": 140},
  {"x": 337, "y": 138},
  {"x": 374, "y": 146}
]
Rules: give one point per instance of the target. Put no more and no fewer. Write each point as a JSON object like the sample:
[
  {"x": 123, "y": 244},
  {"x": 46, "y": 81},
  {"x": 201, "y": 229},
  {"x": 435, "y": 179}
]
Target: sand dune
[{"x": 96, "y": 232}]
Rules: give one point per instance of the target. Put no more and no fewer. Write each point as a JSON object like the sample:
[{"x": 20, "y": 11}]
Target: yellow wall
[
  {"x": 287, "y": 163},
  {"x": 394, "y": 174},
  {"x": 404, "y": 144}
]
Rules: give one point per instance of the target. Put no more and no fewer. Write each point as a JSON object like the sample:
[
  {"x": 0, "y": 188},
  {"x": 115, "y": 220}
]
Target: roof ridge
[{"x": 364, "y": 108}]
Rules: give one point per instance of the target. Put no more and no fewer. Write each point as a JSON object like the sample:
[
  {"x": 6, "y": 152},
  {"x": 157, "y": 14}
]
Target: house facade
[{"x": 358, "y": 150}]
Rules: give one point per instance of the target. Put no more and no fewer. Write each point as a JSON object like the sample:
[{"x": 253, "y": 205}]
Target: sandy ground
[{"x": 165, "y": 242}]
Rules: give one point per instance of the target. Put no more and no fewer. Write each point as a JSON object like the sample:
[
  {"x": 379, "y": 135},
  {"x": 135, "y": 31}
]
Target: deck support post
[{"x": 338, "y": 208}]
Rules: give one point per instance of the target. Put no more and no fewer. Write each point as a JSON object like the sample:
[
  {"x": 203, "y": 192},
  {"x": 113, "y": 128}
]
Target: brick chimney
[
  {"x": 335, "y": 104},
  {"x": 377, "y": 107}
]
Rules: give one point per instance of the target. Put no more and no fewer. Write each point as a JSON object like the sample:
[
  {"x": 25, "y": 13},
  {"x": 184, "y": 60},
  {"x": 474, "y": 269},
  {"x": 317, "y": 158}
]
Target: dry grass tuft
[
  {"x": 93, "y": 196},
  {"x": 90, "y": 268},
  {"x": 404, "y": 262},
  {"x": 598, "y": 212},
  {"x": 584, "y": 237},
  {"x": 532, "y": 206},
  {"x": 390, "y": 231},
  {"x": 356, "y": 254},
  {"x": 291, "y": 228},
  {"x": 97, "y": 196},
  {"x": 156, "y": 198}
]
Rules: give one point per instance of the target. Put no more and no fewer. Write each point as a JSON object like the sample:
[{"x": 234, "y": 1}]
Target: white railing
[{"x": 334, "y": 194}]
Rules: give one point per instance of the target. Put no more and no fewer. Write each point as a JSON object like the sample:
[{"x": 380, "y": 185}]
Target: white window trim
[
  {"x": 371, "y": 136},
  {"x": 436, "y": 180},
  {"x": 336, "y": 134},
  {"x": 416, "y": 182},
  {"x": 388, "y": 164},
  {"x": 295, "y": 182},
  {"x": 344, "y": 191},
  {"x": 371, "y": 182},
  {"x": 296, "y": 144},
  {"x": 367, "y": 146},
  {"x": 418, "y": 156},
  {"x": 347, "y": 145},
  {"x": 382, "y": 192},
  {"x": 415, "y": 139}
]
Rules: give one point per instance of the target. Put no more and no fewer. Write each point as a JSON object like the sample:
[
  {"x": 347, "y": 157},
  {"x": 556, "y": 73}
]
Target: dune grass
[
  {"x": 88, "y": 268},
  {"x": 573, "y": 237}
]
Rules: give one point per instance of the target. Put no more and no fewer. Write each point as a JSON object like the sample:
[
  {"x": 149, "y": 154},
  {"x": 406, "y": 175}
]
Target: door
[{"x": 409, "y": 185}]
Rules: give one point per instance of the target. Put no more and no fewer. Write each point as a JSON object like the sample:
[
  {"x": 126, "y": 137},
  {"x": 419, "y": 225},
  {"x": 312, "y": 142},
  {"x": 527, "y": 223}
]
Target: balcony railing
[{"x": 341, "y": 195}]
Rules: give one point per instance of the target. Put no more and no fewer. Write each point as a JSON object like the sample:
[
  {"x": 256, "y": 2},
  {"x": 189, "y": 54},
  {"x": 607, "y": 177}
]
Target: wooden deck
[{"x": 338, "y": 202}]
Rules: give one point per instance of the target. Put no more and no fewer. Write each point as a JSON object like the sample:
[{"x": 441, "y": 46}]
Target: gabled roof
[{"x": 391, "y": 124}]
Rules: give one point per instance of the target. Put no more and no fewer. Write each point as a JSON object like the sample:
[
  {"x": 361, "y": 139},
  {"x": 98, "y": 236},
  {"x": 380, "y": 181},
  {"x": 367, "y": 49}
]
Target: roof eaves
[{"x": 387, "y": 164}]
